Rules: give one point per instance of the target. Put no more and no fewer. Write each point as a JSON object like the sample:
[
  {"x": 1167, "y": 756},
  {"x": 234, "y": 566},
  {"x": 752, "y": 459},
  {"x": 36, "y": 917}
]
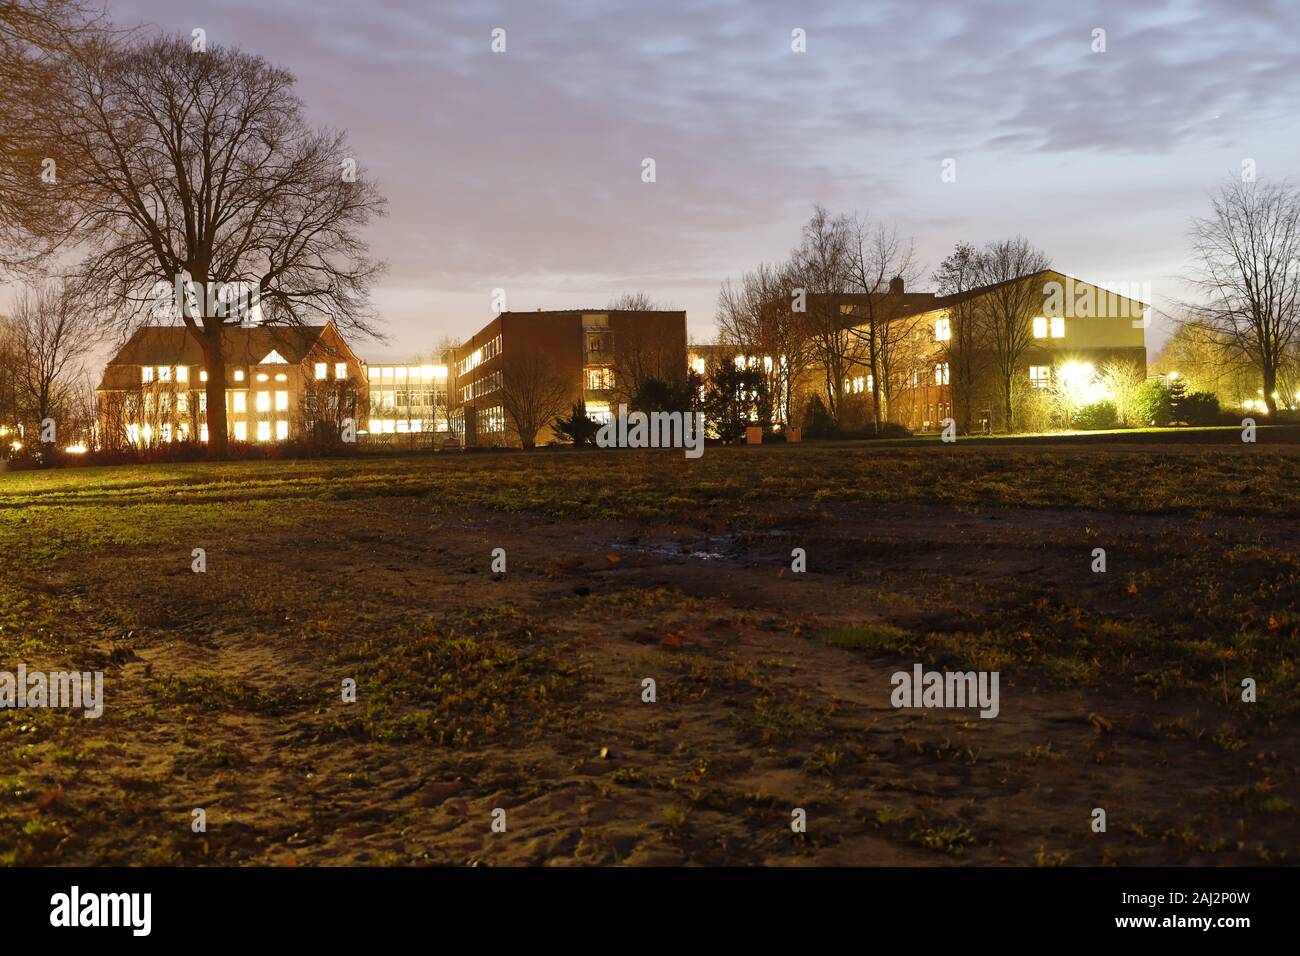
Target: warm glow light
[
  {"x": 75, "y": 449},
  {"x": 1077, "y": 383}
]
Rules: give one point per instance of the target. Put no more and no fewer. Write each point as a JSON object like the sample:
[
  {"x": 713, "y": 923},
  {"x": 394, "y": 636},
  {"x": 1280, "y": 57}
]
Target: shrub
[
  {"x": 1152, "y": 405},
  {"x": 817, "y": 421},
  {"x": 578, "y": 428},
  {"x": 1101, "y": 414},
  {"x": 1035, "y": 410},
  {"x": 1199, "y": 408}
]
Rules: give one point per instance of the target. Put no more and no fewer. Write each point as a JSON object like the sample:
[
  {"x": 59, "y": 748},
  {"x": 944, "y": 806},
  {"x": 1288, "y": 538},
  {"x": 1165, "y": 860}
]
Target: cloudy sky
[{"x": 522, "y": 170}]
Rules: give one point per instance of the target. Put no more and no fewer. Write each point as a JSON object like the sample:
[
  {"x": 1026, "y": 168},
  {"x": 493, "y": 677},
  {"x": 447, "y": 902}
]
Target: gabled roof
[
  {"x": 174, "y": 345},
  {"x": 947, "y": 300}
]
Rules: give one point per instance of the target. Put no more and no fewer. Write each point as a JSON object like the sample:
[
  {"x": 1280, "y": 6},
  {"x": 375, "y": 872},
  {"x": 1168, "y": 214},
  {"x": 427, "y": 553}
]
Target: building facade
[
  {"x": 282, "y": 383},
  {"x": 527, "y": 368},
  {"x": 407, "y": 399},
  {"x": 1075, "y": 330}
]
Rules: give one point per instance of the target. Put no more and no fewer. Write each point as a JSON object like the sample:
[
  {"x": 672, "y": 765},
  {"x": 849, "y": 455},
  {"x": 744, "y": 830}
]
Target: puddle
[{"x": 700, "y": 552}]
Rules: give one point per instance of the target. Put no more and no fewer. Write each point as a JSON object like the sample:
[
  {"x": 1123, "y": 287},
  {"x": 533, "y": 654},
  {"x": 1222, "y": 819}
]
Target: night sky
[{"x": 522, "y": 170}]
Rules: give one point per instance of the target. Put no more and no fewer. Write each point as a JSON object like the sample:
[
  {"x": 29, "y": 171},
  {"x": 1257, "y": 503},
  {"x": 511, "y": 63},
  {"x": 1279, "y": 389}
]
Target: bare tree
[
  {"x": 53, "y": 334},
  {"x": 197, "y": 171},
  {"x": 533, "y": 394},
  {"x": 1246, "y": 264},
  {"x": 36, "y": 38},
  {"x": 10, "y": 410},
  {"x": 881, "y": 265},
  {"x": 821, "y": 272},
  {"x": 1008, "y": 307},
  {"x": 755, "y": 318},
  {"x": 957, "y": 276},
  {"x": 634, "y": 302}
]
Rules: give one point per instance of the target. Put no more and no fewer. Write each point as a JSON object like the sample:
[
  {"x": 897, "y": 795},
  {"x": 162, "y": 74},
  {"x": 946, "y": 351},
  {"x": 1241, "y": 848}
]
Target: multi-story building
[
  {"x": 407, "y": 399},
  {"x": 282, "y": 383},
  {"x": 526, "y": 368},
  {"x": 942, "y": 358},
  {"x": 1074, "y": 330}
]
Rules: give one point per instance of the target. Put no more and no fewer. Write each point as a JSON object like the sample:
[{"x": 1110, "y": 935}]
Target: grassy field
[{"x": 522, "y": 691}]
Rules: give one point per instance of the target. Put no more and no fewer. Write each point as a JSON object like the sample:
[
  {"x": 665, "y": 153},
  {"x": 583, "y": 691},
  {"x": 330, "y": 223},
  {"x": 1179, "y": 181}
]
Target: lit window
[
  {"x": 429, "y": 373},
  {"x": 375, "y": 426},
  {"x": 698, "y": 365},
  {"x": 203, "y": 432},
  {"x": 281, "y": 430},
  {"x": 1040, "y": 376},
  {"x": 133, "y": 434},
  {"x": 942, "y": 330},
  {"x": 388, "y": 373},
  {"x": 263, "y": 431},
  {"x": 1040, "y": 327},
  {"x": 203, "y": 376},
  {"x": 182, "y": 373},
  {"x": 182, "y": 403},
  {"x": 263, "y": 401},
  {"x": 241, "y": 431},
  {"x": 281, "y": 377},
  {"x": 1058, "y": 327},
  {"x": 340, "y": 370},
  {"x": 239, "y": 375},
  {"x": 600, "y": 378},
  {"x": 203, "y": 401},
  {"x": 164, "y": 373},
  {"x": 146, "y": 374},
  {"x": 941, "y": 374},
  {"x": 166, "y": 432},
  {"x": 261, "y": 376},
  {"x": 320, "y": 371},
  {"x": 281, "y": 401},
  {"x": 241, "y": 401}
]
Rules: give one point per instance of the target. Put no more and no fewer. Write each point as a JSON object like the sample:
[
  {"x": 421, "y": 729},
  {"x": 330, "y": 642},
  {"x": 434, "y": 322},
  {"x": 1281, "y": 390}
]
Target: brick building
[{"x": 528, "y": 367}]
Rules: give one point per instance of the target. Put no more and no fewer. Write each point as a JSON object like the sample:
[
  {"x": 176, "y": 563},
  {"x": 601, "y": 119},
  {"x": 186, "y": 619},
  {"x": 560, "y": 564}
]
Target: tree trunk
[
  {"x": 1270, "y": 386},
  {"x": 214, "y": 361},
  {"x": 1006, "y": 397}
]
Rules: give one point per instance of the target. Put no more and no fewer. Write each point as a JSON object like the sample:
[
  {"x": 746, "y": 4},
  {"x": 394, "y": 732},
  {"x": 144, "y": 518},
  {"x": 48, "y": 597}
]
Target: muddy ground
[{"x": 523, "y": 691}]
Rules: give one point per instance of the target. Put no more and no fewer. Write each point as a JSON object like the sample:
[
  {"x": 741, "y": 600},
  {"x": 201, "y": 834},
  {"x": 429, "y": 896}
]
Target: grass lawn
[{"x": 523, "y": 691}]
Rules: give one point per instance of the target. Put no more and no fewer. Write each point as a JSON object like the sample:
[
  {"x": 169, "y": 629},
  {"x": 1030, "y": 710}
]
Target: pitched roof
[
  {"x": 175, "y": 345},
  {"x": 982, "y": 290}
]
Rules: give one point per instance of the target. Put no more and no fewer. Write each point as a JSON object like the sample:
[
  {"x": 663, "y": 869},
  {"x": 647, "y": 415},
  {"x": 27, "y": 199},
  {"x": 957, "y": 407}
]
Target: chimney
[{"x": 896, "y": 285}]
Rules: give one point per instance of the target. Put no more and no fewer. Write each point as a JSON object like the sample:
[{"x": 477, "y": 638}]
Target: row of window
[
  {"x": 137, "y": 434},
  {"x": 489, "y": 350},
  {"x": 181, "y": 373},
  {"x": 491, "y": 420},
  {"x": 402, "y": 426},
  {"x": 940, "y": 371},
  {"x": 406, "y": 373},
  {"x": 322, "y": 371},
  {"x": 407, "y": 398},
  {"x": 1044, "y": 327},
  {"x": 484, "y": 385}
]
